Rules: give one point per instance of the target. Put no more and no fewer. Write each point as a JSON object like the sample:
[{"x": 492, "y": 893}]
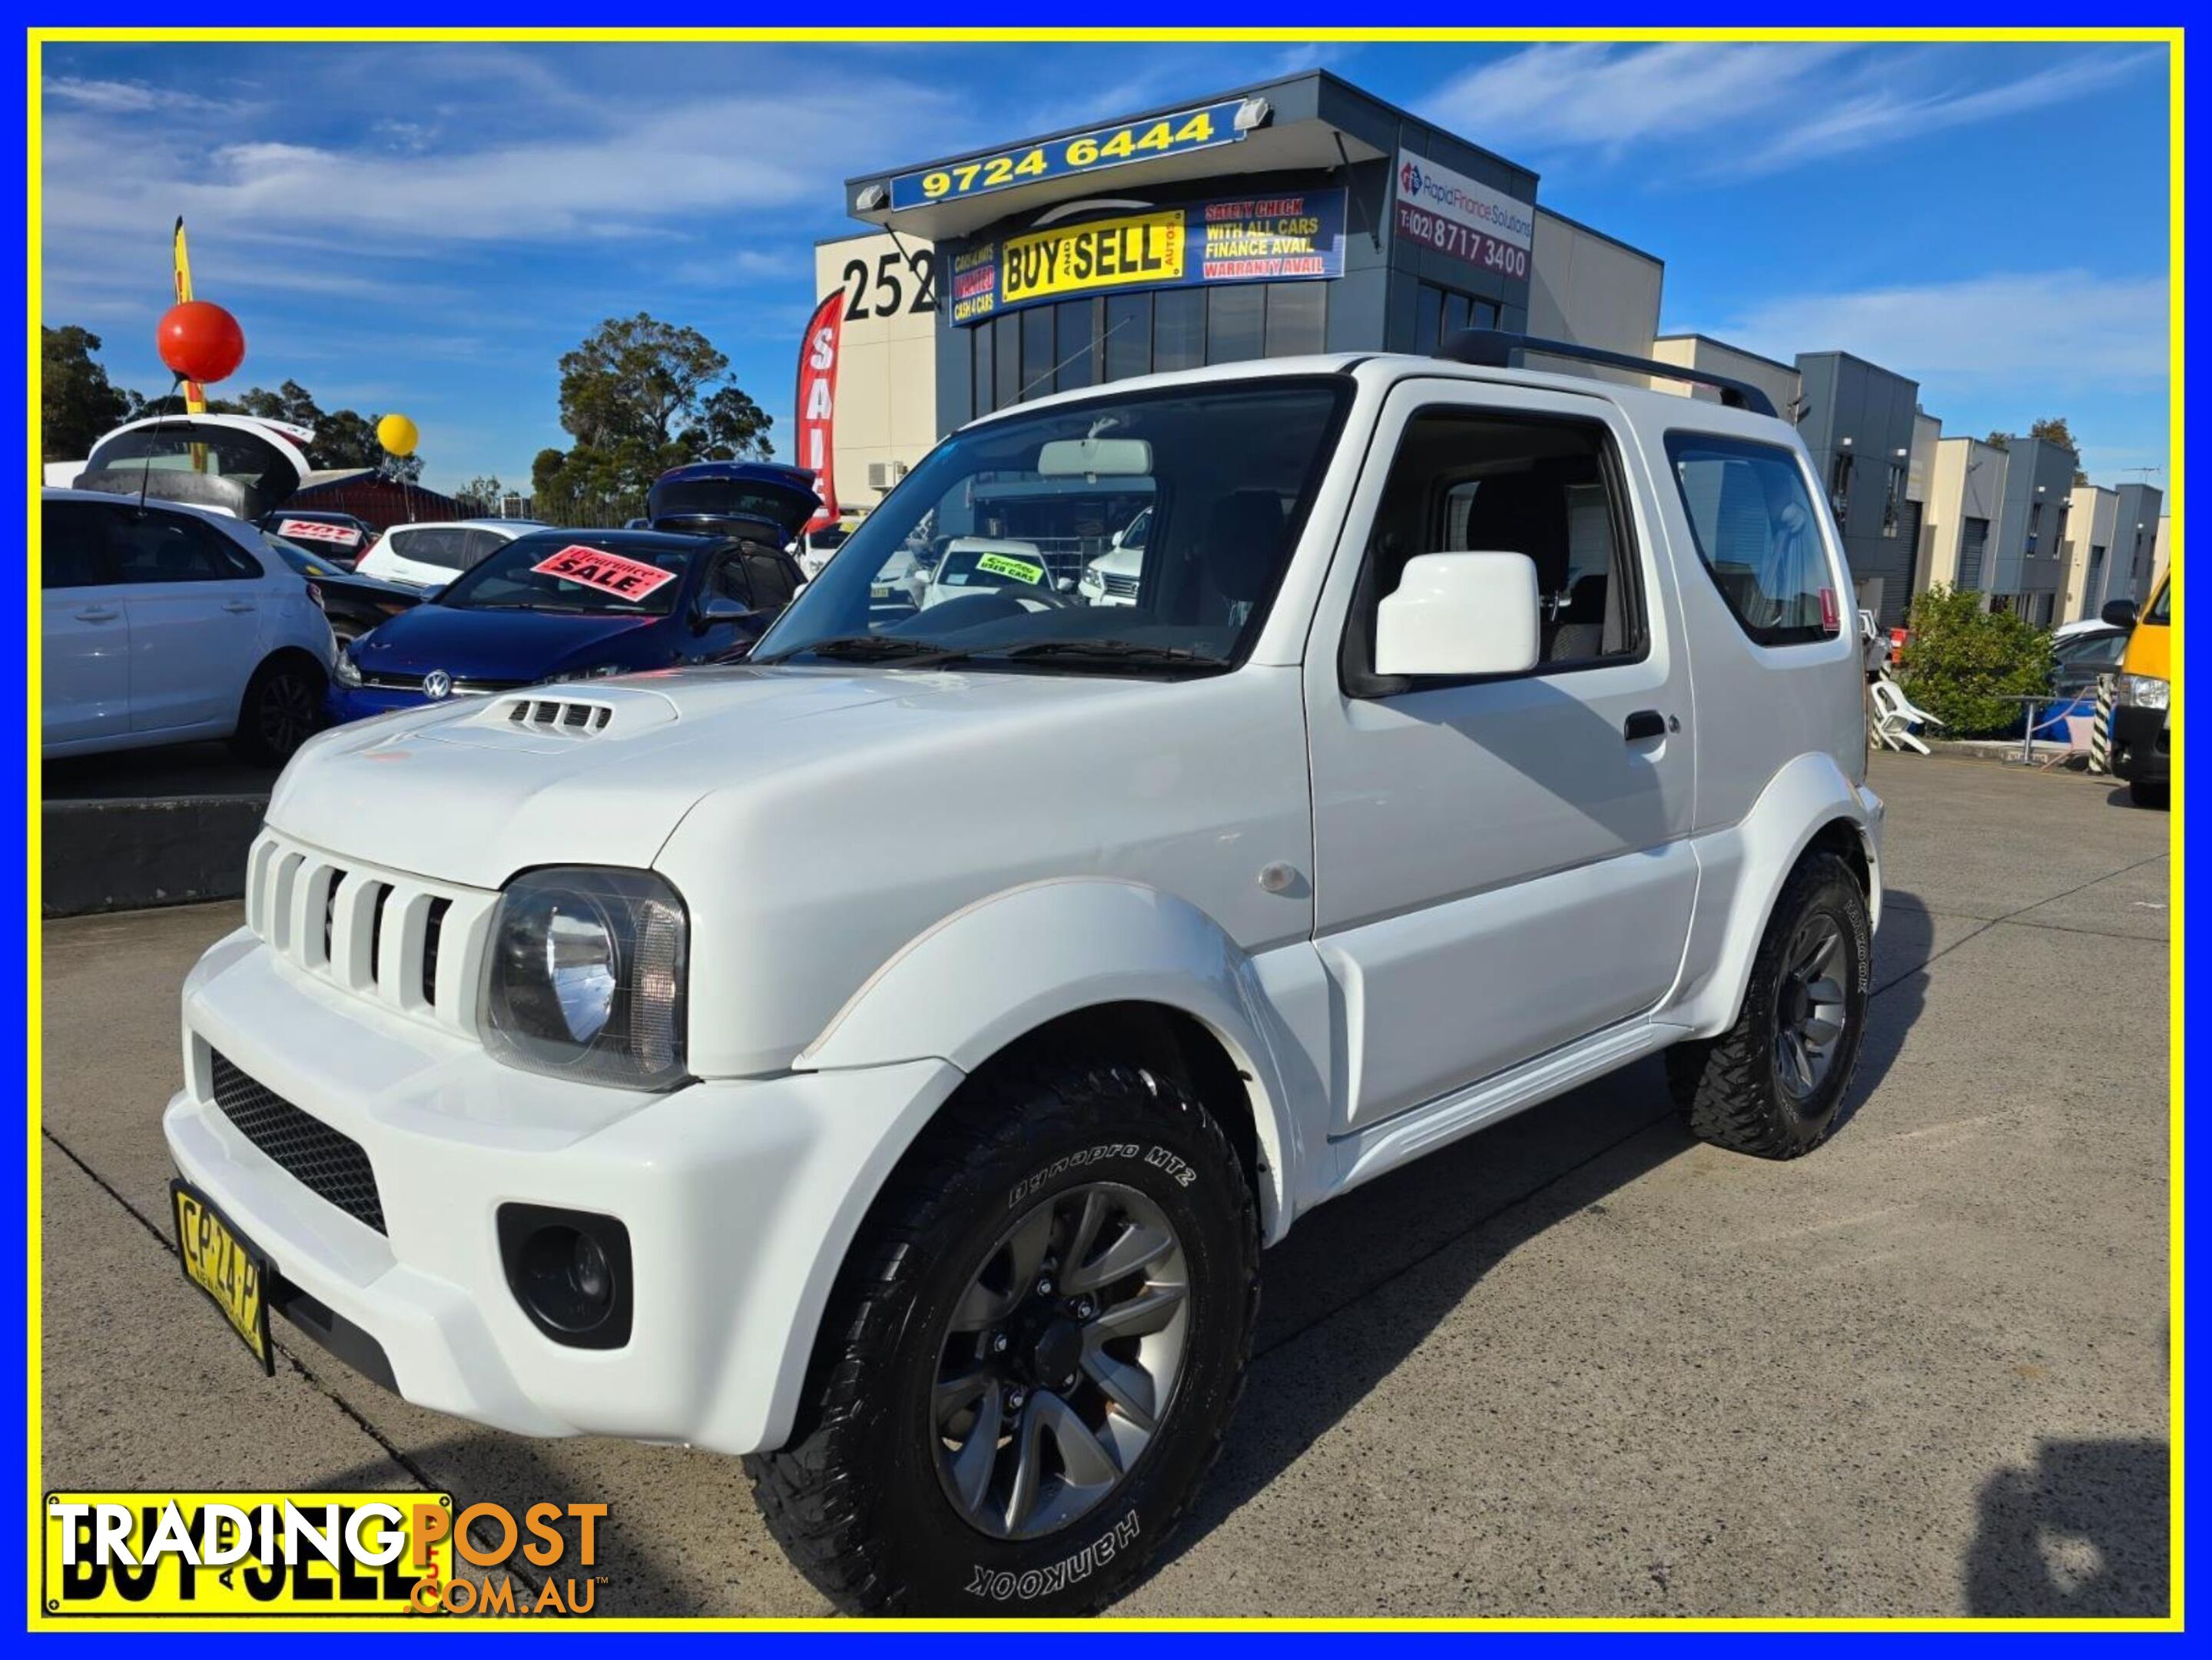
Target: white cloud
[
  {"x": 2047, "y": 329},
  {"x": 131, "y": 97},
  {"x": 1750, "y": 109}
]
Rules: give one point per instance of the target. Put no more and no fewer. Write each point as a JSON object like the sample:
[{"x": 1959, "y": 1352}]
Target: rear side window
[
  {"x": 775, "y": 580},
  {"x": 72, "y": 546},
  {"x": 1757, "y": 535},
  {"x": 448, "y": 549},
  {"x": 162, "y": 547}
]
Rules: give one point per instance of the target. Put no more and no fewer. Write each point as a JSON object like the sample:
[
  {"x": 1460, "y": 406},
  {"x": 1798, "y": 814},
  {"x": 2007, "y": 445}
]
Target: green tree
[
  {"x": 76, "y": 402},
  {"x": 1965, "y": 663},
  {"x": 1999, "y": 440},
  {"x": 641, "y": 396},
  {"x": 483, "y": 492}
]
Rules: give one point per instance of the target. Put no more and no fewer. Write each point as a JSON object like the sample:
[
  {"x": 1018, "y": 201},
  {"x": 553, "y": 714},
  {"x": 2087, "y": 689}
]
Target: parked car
[
  {"x": 976, "y": 564},
  {"x": 354, "y": 604},
  {"x": 887, "y": 1056},
  {"x": 428, "y": 556},
  {"x": 1112, "y": 578},
  {"x": 816, "y": 544},
  {"x": 562, "y": 605},
  {"x": 167, "y": 624},
  {"x": 2080, "y": 658},
  {"x": 338, "y": 538},
  {"x": 2142, "y": 717}
]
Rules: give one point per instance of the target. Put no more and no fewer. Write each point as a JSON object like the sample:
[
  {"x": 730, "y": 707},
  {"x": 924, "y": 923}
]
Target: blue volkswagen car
[{"x": 562, "y": 605}]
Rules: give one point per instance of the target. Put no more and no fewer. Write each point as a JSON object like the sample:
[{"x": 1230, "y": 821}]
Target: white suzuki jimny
[{"x": 886, "y": 1057}]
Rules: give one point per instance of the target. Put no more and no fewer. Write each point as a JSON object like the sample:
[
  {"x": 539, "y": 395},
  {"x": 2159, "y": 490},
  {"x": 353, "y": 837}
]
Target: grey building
[
  {"x": 2135, "y": 543},
  {"x": 1296, "y": 216},
  {"x": 1857, "y": 419},
  {"x": 2028, "y": 544}
]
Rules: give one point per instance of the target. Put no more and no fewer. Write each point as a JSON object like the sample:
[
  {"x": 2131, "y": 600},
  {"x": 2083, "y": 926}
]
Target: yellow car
[{"x": 2141, "y": 716}]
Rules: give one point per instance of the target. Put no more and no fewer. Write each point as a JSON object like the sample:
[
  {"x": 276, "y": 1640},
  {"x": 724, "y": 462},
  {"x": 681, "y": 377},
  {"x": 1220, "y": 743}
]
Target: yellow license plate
[{"x": 224, "y": 1264}]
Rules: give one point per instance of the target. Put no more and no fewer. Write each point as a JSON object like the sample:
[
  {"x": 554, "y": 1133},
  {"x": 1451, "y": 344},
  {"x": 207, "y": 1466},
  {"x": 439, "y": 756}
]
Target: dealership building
[{"x": 1303, "y": 215}]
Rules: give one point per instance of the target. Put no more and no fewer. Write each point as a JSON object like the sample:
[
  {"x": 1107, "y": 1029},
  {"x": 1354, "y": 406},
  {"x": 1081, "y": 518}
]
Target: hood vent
[{"x": 572, "y": 717}]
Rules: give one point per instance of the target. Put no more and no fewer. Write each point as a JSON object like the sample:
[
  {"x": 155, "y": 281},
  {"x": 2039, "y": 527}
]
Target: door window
[
  {"x": 1467, "y": 481},
  {"x": 775, "y": 580},
  {"x": 446, "y": 548},
  {"x": 1757, "y": 536},
  {"x": 162, "y": 547},
  {"x": 72, "y": 546}
]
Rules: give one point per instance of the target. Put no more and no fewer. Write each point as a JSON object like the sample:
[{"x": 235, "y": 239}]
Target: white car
[
  {"x": 167, "y": 624},
  {"x": 816, "y": 543},
  {"x": 430, "y": 556},
  {"x": 1112, "y": 578},
  {"x": 887, "y": 1056},
  {"x": 973, "y": 565}
]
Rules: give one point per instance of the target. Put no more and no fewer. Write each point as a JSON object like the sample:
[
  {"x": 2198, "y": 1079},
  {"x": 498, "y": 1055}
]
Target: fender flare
[
  {"x": 1742, "y": 870},
  {"x": 964, "y": 988}
]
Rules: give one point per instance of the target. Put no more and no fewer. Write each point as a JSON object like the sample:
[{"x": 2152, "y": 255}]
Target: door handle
[
  {"x": 97, "y": 614},
  {"x": 1644, "y": 723},
  {"x": 237, "y": 604}
]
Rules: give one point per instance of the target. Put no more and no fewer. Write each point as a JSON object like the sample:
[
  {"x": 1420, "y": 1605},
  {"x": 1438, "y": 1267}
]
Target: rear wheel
[
  {"x": 1031, "y": 1356},
  {"x": 279, "y": 711},
  {"x": 1772, "y": 1084}
]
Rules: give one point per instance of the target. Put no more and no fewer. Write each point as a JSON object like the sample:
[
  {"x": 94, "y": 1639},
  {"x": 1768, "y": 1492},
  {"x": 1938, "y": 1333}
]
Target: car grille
[
  {"x": 327, "y": 1162},
  {"x": 413, "y": 945},
  {"x": 1124, "y": 587},
  {"x": 414, "y": 682}
]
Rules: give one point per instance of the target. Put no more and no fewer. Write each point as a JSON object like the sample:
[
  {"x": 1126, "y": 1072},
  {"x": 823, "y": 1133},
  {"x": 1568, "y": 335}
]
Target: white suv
[{"x": 887, "y": 1057}]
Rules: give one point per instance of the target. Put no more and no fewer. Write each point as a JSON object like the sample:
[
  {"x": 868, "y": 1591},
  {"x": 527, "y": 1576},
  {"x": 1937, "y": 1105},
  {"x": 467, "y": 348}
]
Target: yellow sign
[
  {"x": 224, "y": 1267},
  {"x": 300, "y": 1555},
  {"x": 1103, "y": 254}
]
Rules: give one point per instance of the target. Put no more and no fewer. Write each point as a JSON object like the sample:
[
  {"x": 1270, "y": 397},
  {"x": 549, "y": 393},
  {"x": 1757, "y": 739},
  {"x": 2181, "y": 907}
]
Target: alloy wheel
[{"x": 1810, "y": 1014}]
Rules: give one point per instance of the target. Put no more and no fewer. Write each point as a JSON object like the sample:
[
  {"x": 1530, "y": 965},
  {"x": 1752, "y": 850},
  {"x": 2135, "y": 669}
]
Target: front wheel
[
  {"x": 1031, "y": 1356},
  {"x": 278, "y": 712},
  {"x": 1772, "y": 1084}
]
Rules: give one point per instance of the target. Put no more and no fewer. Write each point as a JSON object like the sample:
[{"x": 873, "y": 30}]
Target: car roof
[
  {"x": 154, "y": 504},
  {"x": 519, "y": 526}
]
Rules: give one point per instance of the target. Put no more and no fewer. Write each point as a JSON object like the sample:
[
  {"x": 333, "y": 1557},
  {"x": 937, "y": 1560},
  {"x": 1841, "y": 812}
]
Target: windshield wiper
[
  {"x": 1132, "y": 652},
  {"x": 873, "y": 648}
]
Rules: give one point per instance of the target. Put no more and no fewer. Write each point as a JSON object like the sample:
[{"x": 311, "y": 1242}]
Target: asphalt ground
[{"x": 1576, "y": 1365}]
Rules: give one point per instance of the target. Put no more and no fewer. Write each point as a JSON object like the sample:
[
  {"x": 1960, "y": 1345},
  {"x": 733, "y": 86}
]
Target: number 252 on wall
[{"x": 1107, "y": 147}]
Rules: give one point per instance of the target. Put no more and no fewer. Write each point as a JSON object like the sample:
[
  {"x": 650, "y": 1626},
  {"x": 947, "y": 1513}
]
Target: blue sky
[{"x": 427, "y": 227}]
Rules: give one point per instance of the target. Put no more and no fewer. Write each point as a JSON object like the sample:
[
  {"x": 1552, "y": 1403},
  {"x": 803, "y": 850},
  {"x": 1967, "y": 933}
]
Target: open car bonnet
[{"x": 239, "y": 465}]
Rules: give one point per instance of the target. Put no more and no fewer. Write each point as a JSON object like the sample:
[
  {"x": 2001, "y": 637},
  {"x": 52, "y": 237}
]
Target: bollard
[{"x": 2100, "y": 730}]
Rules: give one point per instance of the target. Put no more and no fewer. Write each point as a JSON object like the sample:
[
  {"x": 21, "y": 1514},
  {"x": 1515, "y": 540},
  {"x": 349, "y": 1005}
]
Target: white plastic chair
[{"x": 1895, "y": 715}]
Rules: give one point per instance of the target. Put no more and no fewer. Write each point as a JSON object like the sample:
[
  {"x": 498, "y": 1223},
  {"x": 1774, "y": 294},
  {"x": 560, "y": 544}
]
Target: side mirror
[
  {"x": 2120, "y": 613},
  {"x": 1460, "y": 614},
  {"x": 721, "y": 608}
]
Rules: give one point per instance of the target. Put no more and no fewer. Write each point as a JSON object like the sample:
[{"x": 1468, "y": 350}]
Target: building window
[
  {"x": 2034, "y": 525},
  {"x": 1006, "y": 375},
  {"x": 1036, "y": 352},
  {"x": 1297, "y": 319},
  {"x": 1129, "y": 335},
  {"x": 1439, "y": 313},
  {"x": 985, "y": 393},
  {"x": 1077, "y": 321},
  {"x": 1974, "y": 542},
  {"x": 1179, "y": 329},
  {"x": 1840, "y": 485},
  {"x": 1235, "y": 328},
  {"x": 2045, "y": 603},
  {"x": 1893, "y": 499}
]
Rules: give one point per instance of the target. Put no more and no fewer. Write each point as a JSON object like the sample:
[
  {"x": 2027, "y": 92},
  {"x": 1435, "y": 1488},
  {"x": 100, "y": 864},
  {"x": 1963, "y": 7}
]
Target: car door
[
  {"x": 85, "y": 690},
  {"x": 195, "y": 598},
  {"x": 1501, "y": 864}
]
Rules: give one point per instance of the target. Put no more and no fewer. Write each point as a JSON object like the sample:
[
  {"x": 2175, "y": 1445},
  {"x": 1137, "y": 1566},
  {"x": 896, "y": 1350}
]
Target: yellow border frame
[{"x": 2172, "y": 39}]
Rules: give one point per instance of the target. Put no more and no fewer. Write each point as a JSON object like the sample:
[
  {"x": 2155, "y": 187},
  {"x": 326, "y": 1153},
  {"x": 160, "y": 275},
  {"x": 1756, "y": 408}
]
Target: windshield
[
  {"x": 298, "y": 558},
  {"x": 980, "y": 552},
  {"x": 2159, "y": 610},
  {"x": 614, "y": 572}
]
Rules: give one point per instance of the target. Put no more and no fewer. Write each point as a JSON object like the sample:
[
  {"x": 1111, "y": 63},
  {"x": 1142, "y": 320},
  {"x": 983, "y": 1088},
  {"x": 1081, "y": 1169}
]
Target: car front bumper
[
  {"x": 2140, "y": 745},
  {"x": 740, "y": 1197}
]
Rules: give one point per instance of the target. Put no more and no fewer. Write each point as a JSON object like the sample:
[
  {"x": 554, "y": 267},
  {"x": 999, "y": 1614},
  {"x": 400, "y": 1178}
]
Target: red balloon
[{"x": 201, "y": 341}]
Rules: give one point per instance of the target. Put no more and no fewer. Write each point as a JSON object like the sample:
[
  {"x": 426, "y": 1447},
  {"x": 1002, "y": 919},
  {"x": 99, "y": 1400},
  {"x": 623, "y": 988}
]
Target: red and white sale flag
[{"x": 815, "y": 409}]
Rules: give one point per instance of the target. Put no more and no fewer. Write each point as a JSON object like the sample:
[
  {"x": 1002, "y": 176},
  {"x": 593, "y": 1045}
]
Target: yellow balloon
[{"x": 397, "y": 434}]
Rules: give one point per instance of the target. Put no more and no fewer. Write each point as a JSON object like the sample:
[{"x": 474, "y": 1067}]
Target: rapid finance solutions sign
[
  {"x": 1279, "y": 238},
  {"x": 1094, "y": 151},
  {"x": 1475, "y": 223}
]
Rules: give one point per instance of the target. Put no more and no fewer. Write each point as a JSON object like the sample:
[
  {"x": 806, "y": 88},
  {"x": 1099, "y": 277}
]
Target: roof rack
[{"x": 1494, "y": 349}]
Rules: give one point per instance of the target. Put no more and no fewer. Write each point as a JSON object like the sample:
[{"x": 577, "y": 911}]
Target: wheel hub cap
[
  {"x": 1810, "y": 1015},
  {"x": 1060, "y": 1362}
]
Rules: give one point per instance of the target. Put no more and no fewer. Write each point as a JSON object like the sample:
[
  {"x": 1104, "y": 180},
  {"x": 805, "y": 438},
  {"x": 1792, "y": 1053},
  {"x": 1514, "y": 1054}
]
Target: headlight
[
  {"x": 346, "y": 670},
  {"x": 2144, "y": 691},
  {"x": 585, "y": 978}
]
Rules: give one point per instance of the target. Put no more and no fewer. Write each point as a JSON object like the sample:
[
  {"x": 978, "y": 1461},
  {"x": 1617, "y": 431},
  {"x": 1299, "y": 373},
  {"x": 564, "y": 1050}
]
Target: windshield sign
[
  {"x": 610, "y": 573},
  {"x": 979, "y": 556},
  {"x": 616, "y": 574}
]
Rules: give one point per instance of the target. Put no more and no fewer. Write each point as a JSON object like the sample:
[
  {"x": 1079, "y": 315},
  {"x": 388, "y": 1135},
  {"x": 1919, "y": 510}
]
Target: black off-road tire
[
  {"x": 854, "y": 1498},
  {"x": 281, "y": 708},
  {"x": 1728, "y": 1087}
]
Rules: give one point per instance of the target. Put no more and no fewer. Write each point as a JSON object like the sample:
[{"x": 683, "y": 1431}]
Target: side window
[
  {"x": 775, "y": 580},
  {"x": 728, "y": 579},
  {"x": 162, "y": 547},
  {"x": 446, "y": 549},
  {"x": 1463, "y": 481},
  {"x": 478, "y": 545},
  {"x": 72, "y": 546},
  {"x": 1757, "y": 535}
]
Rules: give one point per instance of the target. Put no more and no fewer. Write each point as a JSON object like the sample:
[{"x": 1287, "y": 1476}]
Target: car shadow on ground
[
  {"x": 1464, "y": 1209},
  {"x": 2082, "y": 1532}
]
